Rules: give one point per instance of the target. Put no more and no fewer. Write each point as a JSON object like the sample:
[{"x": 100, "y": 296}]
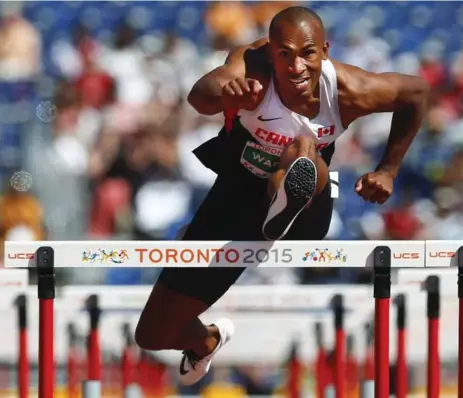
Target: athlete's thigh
[
  {"x": 314, "y": 222},
  {"x": 230, "y": 211},
  {"x": 224, "y": 215}
]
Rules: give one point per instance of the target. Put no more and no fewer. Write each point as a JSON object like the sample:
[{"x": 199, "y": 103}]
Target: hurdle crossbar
[{"x": 404, "y": 254}]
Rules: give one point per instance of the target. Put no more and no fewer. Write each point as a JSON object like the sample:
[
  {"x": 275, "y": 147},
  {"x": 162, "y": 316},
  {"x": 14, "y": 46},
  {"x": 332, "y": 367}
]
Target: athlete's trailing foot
[
  {"x": 296, "y": 190},
  {"x": 192, "y": 368}
]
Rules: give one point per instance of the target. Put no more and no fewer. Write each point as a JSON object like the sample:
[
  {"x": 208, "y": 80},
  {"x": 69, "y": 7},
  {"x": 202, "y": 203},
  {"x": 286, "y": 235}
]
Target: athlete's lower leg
[{"x": 170, "y": 321}]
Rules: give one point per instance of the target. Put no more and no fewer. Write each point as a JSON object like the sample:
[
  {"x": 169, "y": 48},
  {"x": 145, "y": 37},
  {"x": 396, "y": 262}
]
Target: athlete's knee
[
  {"x": 305, "y": 146},
  {"x": 300, "y": 146}
]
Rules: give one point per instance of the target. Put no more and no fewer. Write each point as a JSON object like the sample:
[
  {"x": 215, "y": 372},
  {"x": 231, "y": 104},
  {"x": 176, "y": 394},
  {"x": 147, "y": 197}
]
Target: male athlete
[{"x": 290, "y": 102}]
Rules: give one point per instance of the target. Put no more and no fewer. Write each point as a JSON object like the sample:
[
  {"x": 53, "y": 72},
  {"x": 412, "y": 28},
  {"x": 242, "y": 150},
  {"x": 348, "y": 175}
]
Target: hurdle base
[
  {"x": 133, "y": 391},
  {"x": 367, "y": 389},
  {"x": 330, "y": 391},
  {"x": 91, "y": 389}
]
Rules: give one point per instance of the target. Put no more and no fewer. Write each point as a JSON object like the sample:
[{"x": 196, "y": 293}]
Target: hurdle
[
  {"x": 120, "y": 294},
  {"x": 321, "y": 363},
  {"x": 433, "y": 310},
  {"x": 23, "y": 367},
  {"x": 128, "y": 365},
  {"x": 339, "y": 363},
  {"x": 14, "y": 282},
  {"x": 73, "y": 362},
  {"x": 381, "y": 255},
  {"x": 92, "y": 386},
  {"x": 460, "y": 323},
  {"x": 367, "y": 383},
  {"x": 401, "y": 362},
  {"x": 46, "y": 294}
]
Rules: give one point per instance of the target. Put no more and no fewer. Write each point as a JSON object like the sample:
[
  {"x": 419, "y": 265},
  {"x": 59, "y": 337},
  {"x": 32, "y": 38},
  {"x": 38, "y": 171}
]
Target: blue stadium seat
[{"x": 185, "y": 18}]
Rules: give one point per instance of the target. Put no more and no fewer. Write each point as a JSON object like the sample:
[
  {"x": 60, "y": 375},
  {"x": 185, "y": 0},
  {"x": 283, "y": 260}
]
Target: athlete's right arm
[{"x": 206, "y": 96}]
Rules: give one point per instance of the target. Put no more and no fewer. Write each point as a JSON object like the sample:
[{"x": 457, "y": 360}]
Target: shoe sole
[{"x": 294, "y": 194}]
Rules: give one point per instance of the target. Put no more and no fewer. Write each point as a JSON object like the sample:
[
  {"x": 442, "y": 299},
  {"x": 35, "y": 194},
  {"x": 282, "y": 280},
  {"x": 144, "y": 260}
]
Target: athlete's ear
[{"x": 326, "y": 47}]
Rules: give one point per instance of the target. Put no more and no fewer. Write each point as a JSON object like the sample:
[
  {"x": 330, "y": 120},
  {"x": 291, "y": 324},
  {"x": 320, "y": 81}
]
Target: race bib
[
  {"x": 259, "y": 160},
  {"x": 263, "y": 161}
]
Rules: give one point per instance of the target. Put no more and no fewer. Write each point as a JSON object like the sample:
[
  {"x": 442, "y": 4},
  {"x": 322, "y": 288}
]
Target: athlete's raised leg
[{"x": 302, "y": 174}]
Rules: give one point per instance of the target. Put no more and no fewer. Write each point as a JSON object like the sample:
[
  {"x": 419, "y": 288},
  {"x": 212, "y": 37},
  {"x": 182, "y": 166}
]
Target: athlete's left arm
[{"x": 362, "y": 93}]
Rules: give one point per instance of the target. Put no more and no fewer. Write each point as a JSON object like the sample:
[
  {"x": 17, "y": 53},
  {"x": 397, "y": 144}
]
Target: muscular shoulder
[
  {"x": 361, "y": 93},
  {"x": 256, "y": 47},
  {"x": 354, "y": 84},
  {"x": 346, "y": 89},
  {"x": 255, "y": 59}
]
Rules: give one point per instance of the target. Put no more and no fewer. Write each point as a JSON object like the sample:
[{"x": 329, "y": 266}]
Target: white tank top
[{"x": 274, "y": 126}]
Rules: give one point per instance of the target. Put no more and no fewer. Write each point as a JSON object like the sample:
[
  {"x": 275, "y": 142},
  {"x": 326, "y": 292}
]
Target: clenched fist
[
  {"x": 241, "y": 94},
  {"x": 375, "y": 187}
]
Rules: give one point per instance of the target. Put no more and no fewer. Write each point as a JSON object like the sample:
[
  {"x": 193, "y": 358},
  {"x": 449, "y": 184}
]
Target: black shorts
[{"x": 236, "y": 210}]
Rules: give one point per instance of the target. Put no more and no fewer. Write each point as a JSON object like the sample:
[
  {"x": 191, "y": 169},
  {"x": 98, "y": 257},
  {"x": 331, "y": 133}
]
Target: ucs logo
[
  {"x": 442, "y": 254},
  {"x": 406, "y": 256},
  {"x": 21, "y": 256}
]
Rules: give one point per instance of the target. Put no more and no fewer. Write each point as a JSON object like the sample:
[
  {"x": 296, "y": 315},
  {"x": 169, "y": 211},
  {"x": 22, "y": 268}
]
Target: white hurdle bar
[{"x": 300, "y": 254}]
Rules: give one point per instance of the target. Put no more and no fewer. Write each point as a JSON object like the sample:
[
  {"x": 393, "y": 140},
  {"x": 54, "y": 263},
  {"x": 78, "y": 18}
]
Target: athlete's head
[{"x": 297, "y": 48}]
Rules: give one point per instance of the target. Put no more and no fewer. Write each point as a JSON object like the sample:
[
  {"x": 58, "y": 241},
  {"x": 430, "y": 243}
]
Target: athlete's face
[{"x": 296, "y": 53}]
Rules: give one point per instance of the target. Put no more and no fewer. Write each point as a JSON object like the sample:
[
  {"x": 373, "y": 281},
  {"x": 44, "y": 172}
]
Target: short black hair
[{"x": 294, "y": 14}]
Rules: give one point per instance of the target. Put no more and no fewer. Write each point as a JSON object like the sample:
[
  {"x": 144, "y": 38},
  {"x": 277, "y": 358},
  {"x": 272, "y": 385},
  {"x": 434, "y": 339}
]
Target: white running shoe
[{"x": 192, "y": 368}]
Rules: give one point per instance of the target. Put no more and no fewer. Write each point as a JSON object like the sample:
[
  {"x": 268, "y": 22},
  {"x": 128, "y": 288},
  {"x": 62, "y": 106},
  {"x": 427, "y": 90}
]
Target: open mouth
[{"x": 300, "y": 83}]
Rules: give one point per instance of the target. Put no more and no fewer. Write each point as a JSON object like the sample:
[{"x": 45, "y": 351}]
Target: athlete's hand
[
  {"x": 241, "y": 94},
  {"x": 375, "y": 187}
]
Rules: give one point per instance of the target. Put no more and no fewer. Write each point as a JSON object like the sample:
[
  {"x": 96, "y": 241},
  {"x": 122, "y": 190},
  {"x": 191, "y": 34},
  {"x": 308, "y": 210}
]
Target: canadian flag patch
[{"x": 325, "y": 131}]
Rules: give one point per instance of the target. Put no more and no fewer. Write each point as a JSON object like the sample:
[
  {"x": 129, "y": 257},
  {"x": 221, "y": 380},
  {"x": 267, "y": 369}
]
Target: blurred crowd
[{"x": 92, "y": 106}]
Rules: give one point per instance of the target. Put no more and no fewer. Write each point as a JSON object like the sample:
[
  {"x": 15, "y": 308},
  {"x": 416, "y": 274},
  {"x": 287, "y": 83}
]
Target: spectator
[
  {"x": 432, "y": 68},
  {"x": 126, "y": 63},
  {"x": 429, "y": 154},
  {"x": 20, "y": 45},
  {"x": 231, "y": 20},
  {"x": 21, "y": 215},
  {"x": 94, "y": 86},
  {"x": 70, "y": 56}
]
